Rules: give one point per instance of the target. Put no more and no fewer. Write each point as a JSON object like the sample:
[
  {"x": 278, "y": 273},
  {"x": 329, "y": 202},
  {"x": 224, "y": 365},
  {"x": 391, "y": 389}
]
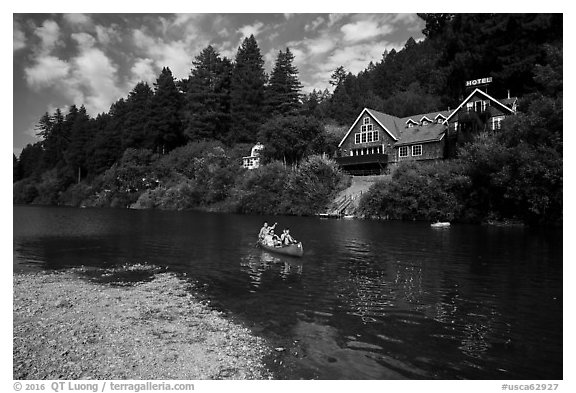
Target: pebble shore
[{"x": 67, "y": 327}]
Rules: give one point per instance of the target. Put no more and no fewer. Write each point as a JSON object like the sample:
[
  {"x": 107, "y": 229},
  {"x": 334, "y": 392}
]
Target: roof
[
  {"x": 430, "y": 116},
  {"x": 428, "y": 133},
  {"x": 509, "y": 102},
  {"x": 387, "y": 122},
  {"x": 486, "y": 95}
]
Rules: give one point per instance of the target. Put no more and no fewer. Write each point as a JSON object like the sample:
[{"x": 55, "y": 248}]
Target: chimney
[{"x": 508, "y": 93}]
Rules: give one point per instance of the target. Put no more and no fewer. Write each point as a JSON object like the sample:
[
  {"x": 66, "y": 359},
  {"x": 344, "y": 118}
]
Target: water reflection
[{"x": 256, "y": 264}]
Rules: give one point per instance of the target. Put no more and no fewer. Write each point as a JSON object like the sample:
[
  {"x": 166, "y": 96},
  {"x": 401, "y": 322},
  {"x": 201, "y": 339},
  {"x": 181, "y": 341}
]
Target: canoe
[
  {"x": 440, "y": 225},
  {"x": 295, "y": 250}
]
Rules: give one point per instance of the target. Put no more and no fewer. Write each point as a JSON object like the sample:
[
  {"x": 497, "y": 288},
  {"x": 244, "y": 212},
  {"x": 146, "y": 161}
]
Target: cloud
[
  {"x": 320, "y": 45},
  {"x": 18, "y": 38},
  {"x": 335, "y": 18},
  {"x": 78, "y": 19},
  {"x": 95, "y": 78},
  {"x": 314, "y": 24},
  {"x": 49, "y": 33},
  {"x": 47, "y": 71},
  {"x": 106, "y": 35},
  {"x": 175, "y": 54},
  {"x": 363, "y": 30},
  {"x": 84, "y": 40},
  {"x": 143, "y": 70},
  {"x": 254, "y": 29}
]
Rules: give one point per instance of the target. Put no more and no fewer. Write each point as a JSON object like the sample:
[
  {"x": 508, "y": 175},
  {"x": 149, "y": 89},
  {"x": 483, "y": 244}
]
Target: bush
[{"x": 434, "y": 192}]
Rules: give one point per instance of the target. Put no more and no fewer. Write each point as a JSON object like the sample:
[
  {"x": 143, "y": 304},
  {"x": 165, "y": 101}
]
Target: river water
[{"x": 369, "y": 299}]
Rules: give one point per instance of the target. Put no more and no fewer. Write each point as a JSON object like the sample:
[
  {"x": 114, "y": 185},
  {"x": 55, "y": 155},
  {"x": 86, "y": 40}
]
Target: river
[{"x": 369, "y": 299}]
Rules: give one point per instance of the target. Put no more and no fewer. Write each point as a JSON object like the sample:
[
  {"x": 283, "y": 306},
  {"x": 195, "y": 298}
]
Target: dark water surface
[{"x": 368, "y": 299}]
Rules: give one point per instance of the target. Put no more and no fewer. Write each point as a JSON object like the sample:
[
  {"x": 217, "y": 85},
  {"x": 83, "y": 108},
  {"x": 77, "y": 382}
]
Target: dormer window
[
  {"x": 440, "y": 119},
  {"x": 411, "y": 123},
  {"x": 425, "y": 122}
]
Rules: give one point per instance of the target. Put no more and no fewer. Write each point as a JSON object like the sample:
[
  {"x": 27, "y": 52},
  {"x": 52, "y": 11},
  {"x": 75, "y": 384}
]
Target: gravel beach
[{"x": 67, "y": 327}]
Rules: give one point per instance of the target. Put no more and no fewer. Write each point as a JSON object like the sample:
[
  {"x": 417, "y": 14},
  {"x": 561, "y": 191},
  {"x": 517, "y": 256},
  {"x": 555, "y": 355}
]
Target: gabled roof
[
  {"x": 387, "y": 122},
  {"x": 431, "y": 115},
  {"x": 428, "y": 133},
  {"x": 494, "y": 100}
]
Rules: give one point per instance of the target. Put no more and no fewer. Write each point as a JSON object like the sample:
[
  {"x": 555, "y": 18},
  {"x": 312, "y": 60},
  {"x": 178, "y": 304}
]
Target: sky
[{"x": 95, "y": 59}]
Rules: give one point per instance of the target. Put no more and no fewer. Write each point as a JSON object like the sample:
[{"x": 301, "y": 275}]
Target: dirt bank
[{"x": 66, "y": 327}]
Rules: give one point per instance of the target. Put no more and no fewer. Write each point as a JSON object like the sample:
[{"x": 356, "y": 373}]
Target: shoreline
[{"x": 66, "y": 327}]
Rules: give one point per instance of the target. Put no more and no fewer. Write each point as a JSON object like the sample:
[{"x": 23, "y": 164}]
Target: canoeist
[
  {"x": 265, "y": 230},
  {"x": 286, "y": 238}
]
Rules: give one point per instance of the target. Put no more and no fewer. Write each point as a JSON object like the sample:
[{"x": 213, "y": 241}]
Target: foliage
[
  {"x": 283, "y": 92},
  {"x": 247, "y": 89},
  {"x": 419, "y": 192},
  {"x": 290, "y": 138},
  {"x": 208, "y": 98}
]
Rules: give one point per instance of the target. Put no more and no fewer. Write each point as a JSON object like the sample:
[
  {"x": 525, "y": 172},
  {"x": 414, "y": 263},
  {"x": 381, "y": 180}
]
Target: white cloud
[
  {"x": 47, "y": 71},
  {"x": 175, "y": 54},
  {"x": 143, "y": 70},
  {"x": 335, "y": 18},
  {"x": 78, "y": 19},
  {"x": 314, "y": 24},
  {"x": 364, "y": 29},
  {"x": 18, "y": 38},
  {"x": 95, "y": 76},
  {"x": 105, "y": 35},
  {"x": 84, "y": 40},
  {"x": 49, "y": 33},
  {"x": 355, "y": 58},
  {"x": 320, "y": 45},
  {"x": 255, "y": 29}
]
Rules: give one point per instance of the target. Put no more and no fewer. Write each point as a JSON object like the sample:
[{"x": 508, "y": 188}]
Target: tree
[
  {"x": 247, "y": 91},
  {"x": 338, "y": 76},
  {"x": 133, "y": 126},
  {"x": 283, "y": 92},
  {"x": 55, "y": 138},
  {"x": 30, "y": 161},
  {"x": 164, "y": 126},
  {"x": 208, "y": 97},
  {"x": 80, "y": 135},
  {"x": 291, "y": 138}
]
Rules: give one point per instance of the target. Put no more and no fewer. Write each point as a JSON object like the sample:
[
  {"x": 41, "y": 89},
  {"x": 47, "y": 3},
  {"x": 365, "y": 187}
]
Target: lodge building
[{"x": 377, "y": 140}]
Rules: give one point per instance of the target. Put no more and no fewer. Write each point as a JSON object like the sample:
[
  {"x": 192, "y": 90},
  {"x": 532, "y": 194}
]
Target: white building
[{"x": 253, "y": 160}]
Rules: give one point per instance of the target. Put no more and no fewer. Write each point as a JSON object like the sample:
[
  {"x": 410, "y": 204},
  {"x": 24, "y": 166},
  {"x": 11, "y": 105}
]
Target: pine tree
[
  {"x": 283, "y": 92},
  {"x": 80, "y": 134},
  {"x": 247, "y": 91},
  {"x": 208, "y": 97},
  {"x": 138, "y": 111},
  {"x": 164, "y": 125},
  {"x": 55, "y": 139}
]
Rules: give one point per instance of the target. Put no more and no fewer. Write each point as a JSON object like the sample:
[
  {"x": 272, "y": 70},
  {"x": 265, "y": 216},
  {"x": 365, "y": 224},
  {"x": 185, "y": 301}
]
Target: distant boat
[
  {"x": 348, "y": 216},
  {"x": 295, "y": 250},
  {"x": 440, "y": 225}
]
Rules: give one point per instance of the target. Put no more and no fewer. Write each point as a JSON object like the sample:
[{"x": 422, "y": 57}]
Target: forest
[{"x": 178, "y": 144}]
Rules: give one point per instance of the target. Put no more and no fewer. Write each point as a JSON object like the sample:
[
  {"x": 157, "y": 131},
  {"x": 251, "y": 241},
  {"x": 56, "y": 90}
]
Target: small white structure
[{"x": 253, "y": 160}]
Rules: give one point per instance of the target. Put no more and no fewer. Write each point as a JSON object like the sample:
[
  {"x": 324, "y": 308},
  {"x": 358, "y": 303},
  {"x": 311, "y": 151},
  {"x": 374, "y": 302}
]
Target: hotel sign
[{"x": 478, "y": 82}]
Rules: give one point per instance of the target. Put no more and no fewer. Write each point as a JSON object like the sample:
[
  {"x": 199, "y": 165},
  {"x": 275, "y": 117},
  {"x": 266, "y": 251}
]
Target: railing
[{"x": 363, "y": 159}]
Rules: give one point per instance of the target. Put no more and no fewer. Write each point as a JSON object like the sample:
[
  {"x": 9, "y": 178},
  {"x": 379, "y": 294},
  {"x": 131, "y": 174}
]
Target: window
[
  {"x": 425, "y": 122},
  {"x": 417, "y": 150},
  {"x": 497, "y": 122},
  {"x": 455, "y": 126},
  {"x": 469, "y": 106},
  {"x": 367, "y": 133},
  {"x": 440, "y": 119},
  {"x": 403, "y": 151},
  {"x": 410, "y": 125}
]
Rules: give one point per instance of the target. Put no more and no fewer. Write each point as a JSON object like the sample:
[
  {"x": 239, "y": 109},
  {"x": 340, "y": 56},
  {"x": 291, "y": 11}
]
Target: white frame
[
  {"x": 413, "y": 147},
  {"x": 400, "y": 151}
]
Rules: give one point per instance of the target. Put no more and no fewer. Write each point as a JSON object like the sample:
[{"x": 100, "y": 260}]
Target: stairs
[{"x": 347, "y": 201}]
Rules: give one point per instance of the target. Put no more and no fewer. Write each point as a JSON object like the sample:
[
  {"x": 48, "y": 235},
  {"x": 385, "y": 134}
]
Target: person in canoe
[
  {"x": 265, "y": 230},
  {"x": 286, "y": 238}
]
